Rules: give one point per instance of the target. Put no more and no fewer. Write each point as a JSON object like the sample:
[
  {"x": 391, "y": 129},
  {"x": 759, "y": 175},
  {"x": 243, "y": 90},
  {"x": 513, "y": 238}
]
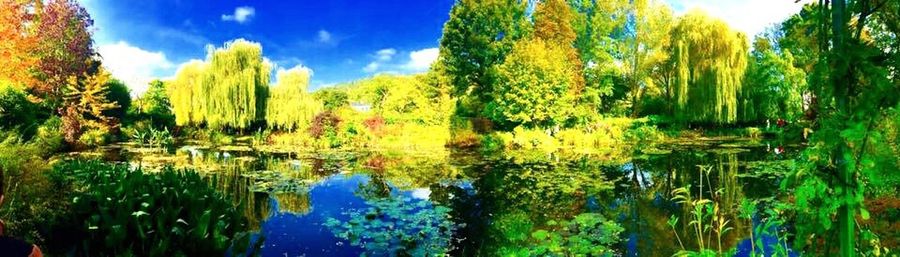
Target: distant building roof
[{"x": 361, "y": 107}]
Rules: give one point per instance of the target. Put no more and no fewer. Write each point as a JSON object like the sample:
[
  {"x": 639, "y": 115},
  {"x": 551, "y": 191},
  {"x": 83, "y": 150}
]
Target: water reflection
[{"x": 469, "y": 204}]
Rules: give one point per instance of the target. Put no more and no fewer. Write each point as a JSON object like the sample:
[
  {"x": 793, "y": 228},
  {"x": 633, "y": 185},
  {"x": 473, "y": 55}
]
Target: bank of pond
[{"x": 690, "y": 198}]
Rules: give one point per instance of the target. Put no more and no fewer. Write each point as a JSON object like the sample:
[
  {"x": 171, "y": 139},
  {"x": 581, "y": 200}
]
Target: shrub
[
  {"x": 49, "y": 137},
  {"x": 93, "y": 138},
  {"x": 375, "y": 124},
  {"x": 16, "y": 112},
  {"x": 529, "y": 139},
  {"x": 324, "y": 123},
  {"x": 31, "y": 201},
  {"x": 120, "y": 211}
]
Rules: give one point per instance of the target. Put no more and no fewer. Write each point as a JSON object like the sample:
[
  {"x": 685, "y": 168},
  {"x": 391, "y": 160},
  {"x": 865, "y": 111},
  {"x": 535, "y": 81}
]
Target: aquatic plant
[
  {"x": 707, "y": 219},
  {"x": 153, "y": 137},
  {"x": 121, "y": 211},
  {"x": 397, "y": 226},
  {"x": 588, "y": 234}
]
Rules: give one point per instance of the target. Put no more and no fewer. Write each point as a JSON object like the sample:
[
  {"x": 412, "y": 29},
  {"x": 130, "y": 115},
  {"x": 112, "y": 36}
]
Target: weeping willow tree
[
  {"x": 236, "y": 85},
  {"x": 710, "y": 60},
  {"x": 229, "y": 90},
  {"x": 186, "y": 95},
  {"x": 290, "y": 106}
]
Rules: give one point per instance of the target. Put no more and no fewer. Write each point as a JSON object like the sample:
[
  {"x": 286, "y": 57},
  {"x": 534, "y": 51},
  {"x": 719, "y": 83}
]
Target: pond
[{"x": 475, "y": 204}]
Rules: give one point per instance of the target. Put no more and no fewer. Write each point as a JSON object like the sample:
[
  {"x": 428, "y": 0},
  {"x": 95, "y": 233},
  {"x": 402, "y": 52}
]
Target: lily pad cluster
[{"x": 397, "y": 226}]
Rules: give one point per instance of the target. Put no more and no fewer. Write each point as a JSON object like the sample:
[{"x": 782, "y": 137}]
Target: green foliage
[
  {"x": 144, "y": 134},
  {"x": 118, "y": 94},
  {"x": 16, "y": 112},
  {"x": 534, "y": 89},
  {"x": 710, "y": 61},
  {"x": 772, "y": 87},
  {"x": 332, "y": 99},
  {"x": 120, "y": 211},
  {"x": 588, "y": 234},
  {"x": 94, "y": 138},
  {"x": 852, "y": 90},
  {"x": 417, "y": 99},
  {"x": 398, "y": 226},
  {"x": 50, "y": 137},
  {"x": 156, "y": 106},
  {"x": 476, "y": 38},
  {"x": 599, "y": 26},
  {"x": 647, "y": 46},
  {"x": 290, "y": 106},
  {"x": 32, "y": 199}
]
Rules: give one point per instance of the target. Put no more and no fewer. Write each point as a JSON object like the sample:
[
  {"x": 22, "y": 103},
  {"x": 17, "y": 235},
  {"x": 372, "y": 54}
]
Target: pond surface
[{"x": 472, "y": 204}]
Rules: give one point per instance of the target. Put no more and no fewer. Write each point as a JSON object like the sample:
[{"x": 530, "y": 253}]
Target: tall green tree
[
  {"x": 600, "y": 29},
  {"x": 119, "y": 94},
  {"x": 773, "y": 87},
  {"x": 156, "y": 105},
  {"x": 476, "y": 38},
  {"x": 855, "y": 91},
  {"x": 646, "y": 42},
  {"x": 710, "y": 61},
  {"x": 535, "y": 81}
]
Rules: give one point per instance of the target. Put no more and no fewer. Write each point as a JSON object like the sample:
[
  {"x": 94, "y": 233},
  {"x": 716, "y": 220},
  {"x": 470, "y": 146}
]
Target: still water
[{"x": 476, "y": 204}]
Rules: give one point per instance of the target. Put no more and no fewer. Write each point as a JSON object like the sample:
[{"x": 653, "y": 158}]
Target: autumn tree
[
  {"x": 64, "y": 48},
  {"x": 17, "y": 43},
  {"x": 86, "y": 101},
  {"x": 710, "y": 61}
]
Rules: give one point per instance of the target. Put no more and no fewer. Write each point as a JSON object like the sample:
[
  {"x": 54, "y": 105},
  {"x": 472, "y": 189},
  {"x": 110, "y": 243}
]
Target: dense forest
[{"x": 607, "y": 79}]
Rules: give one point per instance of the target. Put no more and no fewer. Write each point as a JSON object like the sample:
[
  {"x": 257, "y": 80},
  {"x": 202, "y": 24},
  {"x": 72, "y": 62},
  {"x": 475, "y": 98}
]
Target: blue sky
[{"x": 339, "y": 40}]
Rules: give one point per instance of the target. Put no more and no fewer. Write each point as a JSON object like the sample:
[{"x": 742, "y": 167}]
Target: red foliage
[
  {"x": 324, "y": 122},
  {"x": 65, "y": 47}
]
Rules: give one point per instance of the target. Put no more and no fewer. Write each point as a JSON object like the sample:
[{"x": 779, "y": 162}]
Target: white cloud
[
  {"x": 385, "y": 54},
  {"x": 132, "y": 65},
  {"x": 750, "y": 17},
  {"x": 324, "y": 36},
  {"x": 298, "y": 68},
  {"x": 372, "y": 67},
  {"x": 241, "y": 14},
  {"x": 421, "y": 60},
  {"x": 381, "y": 57}
]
